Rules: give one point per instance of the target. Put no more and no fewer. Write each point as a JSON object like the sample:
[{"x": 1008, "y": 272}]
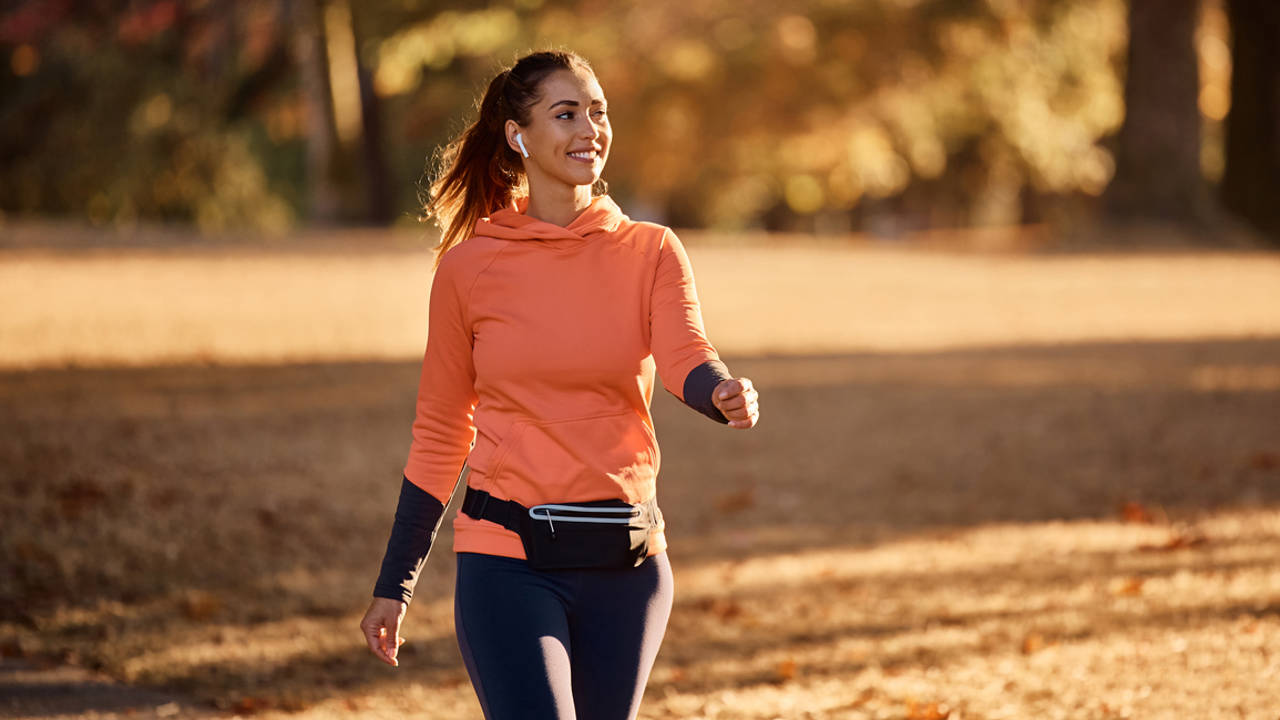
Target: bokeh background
[
  {"x": 1004, "y": 272},
  {"x": 888, "y": 116}
]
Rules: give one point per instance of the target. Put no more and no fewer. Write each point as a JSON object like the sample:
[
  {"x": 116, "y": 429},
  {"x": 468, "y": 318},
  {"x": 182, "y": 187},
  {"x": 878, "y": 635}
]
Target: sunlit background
[{"x": 887, "y": 116}]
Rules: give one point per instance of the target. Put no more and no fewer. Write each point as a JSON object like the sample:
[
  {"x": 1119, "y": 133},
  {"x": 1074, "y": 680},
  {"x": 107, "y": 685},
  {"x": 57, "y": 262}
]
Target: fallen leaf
[
  {"x": 1135, "y": 512},
  {"x": 268, "y": 518},
  {"x": 78, "y": 496},
  {"x": 1032, "y": 642},
  {"x": 1178, "y": 541},
  {"x": 249, "y": 705},
  {"x": 1265, "y": 461},
  {"x": 1130, "y": 586},
  {"x": 735, "y": 502},
  {"x": 931, "y": 711},
  {"x": 200, "y": 605},
  {"x": 723, "y": 608},
  {"x": 164, "y": 498},
  {"x": 863, "y": 698}
]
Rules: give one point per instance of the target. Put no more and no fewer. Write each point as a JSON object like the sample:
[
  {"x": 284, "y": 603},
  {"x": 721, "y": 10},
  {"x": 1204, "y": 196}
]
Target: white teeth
[{"x": 583, "y": 155}]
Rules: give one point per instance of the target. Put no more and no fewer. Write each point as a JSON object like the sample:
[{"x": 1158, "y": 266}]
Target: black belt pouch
[{"x": 559, "y": 543}]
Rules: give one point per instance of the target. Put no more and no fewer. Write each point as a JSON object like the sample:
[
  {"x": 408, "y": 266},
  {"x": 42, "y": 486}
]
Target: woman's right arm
[{"x": 442, "y": 436}]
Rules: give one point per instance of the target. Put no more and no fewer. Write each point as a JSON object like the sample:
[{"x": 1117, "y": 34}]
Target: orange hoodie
[{"x": 542, "y": 345}]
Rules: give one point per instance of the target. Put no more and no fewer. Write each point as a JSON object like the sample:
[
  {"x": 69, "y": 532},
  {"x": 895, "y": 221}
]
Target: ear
[{"x": 511, "y": 128}]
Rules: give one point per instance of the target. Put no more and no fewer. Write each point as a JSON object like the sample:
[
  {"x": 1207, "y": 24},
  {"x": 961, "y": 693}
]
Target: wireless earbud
[{"x": 520, "y": 142}]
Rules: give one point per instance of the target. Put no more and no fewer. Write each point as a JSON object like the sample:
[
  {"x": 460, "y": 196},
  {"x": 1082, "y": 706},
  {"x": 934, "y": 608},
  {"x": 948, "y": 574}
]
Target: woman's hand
[
  {"x": 736, "y": 400},
  {"x": 381, "y": 623}
]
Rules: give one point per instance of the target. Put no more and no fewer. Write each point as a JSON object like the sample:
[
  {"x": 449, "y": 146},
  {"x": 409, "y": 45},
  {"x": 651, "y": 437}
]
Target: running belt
[{"x": 480, "y": 505}]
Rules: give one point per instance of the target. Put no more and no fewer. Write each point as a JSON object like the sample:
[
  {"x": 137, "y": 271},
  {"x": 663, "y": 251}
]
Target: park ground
[{"x": 985, "y": 484}]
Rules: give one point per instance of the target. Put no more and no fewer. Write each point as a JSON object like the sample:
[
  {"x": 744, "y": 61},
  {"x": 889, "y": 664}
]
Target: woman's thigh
[
  {"x": 617, "y": 624},
  {"x": 513, "y": 631},
  {"x": 561, "y": 644}
]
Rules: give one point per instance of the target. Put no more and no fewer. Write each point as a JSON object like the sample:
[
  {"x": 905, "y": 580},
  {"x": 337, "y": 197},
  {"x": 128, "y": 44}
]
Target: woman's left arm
[{"x": 689, "y": 365}]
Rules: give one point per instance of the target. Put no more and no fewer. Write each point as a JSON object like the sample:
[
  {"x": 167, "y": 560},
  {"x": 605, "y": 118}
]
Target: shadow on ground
[{"x": 217, "y": 529}]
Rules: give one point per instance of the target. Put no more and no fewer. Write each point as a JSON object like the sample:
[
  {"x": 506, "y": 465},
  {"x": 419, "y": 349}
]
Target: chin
[{"x": 589, "y": 180}]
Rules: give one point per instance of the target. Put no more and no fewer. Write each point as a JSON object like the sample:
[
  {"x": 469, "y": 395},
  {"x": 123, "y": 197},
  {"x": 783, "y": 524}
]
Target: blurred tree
[
  {"x": 313, "y": 72},
  {"x": 116, "y": 112},
  {"x": 882, "y": 115},
  {"x": 378, "y": 189},
  {"x": 1158, "y": 150},
  {"x": 1251, "y": 178}
]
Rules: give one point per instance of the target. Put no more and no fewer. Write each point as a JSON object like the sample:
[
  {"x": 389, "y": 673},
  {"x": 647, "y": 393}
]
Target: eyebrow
[{"x": 574, "y": 103}]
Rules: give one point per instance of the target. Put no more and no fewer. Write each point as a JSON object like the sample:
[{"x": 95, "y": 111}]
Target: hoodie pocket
[{"x": 580, "y": 459}]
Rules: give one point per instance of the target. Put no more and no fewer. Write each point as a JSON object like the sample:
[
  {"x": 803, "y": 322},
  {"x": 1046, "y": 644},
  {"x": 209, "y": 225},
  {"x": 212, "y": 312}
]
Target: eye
[{"x": 570, "y": 113}]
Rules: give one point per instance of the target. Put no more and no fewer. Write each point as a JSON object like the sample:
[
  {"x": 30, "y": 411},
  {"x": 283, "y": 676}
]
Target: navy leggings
[{"x": 560, "y": 644}]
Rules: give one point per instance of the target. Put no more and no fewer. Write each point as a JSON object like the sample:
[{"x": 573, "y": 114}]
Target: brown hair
[{"x": 477, "y": 172}]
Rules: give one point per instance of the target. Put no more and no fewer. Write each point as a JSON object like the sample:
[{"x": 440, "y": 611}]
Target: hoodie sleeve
[
  {"x": 443, "y": 428},
  {"x": 442, "y": 435},
  {"x": 689, "y": 366},
  {"x": 417, "y": 521}
]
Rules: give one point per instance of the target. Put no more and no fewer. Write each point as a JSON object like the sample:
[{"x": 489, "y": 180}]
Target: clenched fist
[{"x": 736, "y": 399}]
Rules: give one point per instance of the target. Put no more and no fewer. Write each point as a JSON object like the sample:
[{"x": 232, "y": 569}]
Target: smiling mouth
[{"x": 585, "y": 156}]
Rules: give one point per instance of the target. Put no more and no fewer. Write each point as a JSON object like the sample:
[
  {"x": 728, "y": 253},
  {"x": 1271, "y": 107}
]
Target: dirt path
[{"x": 31, "y": 690}]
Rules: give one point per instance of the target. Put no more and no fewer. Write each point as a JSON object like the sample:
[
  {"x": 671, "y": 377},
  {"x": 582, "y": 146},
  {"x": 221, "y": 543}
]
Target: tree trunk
[
  {"x": 377, "y": 176},
  {"x": 1251, "y": 179},
  {"x": 313, "y": 72},
  {"x": 1158, "y": 173}
]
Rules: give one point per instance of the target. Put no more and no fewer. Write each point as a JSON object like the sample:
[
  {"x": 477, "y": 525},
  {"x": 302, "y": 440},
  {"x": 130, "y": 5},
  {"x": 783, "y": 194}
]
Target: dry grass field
[{"x": 983, "y": 486}]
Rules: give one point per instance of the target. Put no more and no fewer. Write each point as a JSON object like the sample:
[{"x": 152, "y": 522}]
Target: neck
[{"x": 558, "y": 205}]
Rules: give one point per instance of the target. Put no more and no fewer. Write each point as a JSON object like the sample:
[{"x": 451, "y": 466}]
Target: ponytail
[{"x": 477, "y": 172}]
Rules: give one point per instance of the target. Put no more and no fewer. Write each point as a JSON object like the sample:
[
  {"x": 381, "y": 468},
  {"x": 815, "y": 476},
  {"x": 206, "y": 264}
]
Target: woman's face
[{"x": 568, "y": 134}]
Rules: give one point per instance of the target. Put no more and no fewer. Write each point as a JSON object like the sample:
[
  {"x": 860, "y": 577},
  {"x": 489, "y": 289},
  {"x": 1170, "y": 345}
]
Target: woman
[{"x": 550, "y": 311}]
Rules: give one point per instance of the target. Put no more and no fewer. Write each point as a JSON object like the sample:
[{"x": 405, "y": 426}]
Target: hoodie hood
[{"x": 511, "y": 223}]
